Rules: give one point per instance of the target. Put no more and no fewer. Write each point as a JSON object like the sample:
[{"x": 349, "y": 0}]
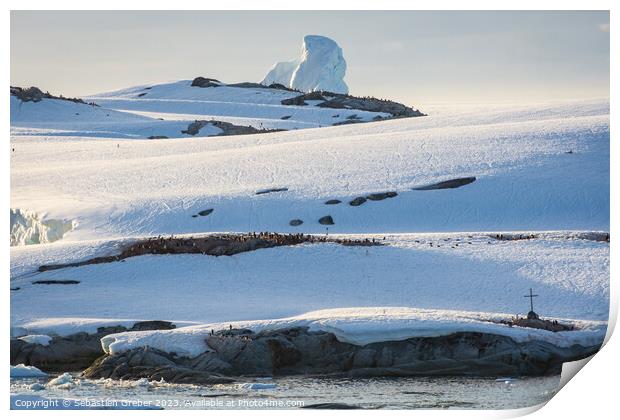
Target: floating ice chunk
[
  {"x": 37, "y": 387},
  {"x": 23, "y": 371},
  {"x": 257, "y": 386},
  {"x": 64, "y": 379},
  {"x": 142, "y": 383}
]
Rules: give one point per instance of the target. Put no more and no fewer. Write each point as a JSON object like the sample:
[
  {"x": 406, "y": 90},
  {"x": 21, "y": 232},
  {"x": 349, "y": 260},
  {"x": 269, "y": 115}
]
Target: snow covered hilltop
[
  {"x": 321, "y": 67},
  {"x": 203, "y": 107}
]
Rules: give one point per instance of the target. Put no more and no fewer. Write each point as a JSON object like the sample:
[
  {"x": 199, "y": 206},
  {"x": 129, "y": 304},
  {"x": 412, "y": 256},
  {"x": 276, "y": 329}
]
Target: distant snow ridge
[
  {"x": 320, "y": 67},
  {"x": 28, "y": 227}
]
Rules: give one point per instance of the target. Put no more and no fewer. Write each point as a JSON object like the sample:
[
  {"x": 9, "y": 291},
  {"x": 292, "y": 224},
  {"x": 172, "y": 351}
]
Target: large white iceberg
[{"x": 320, "y": 67}]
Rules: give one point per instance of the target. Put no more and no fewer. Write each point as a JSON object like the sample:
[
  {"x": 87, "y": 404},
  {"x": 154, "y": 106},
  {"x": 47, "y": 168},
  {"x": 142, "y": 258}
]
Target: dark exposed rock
[
  {"x": 542, "y": 324},
  {"x": 142, "y": 94},
  {"x": 153, "y": 325},
  {"x": 357, "y": 201},
  {"x": 204, "y": 82},
  {"x": 246, "y": 85},
  {"x": 14, "y": 289},
  {"x": 205, "y": 212},
  {"x": 228, "y": 129},
  {"x": 332, "y": 202},
  {"x": 299, "y": 351},
  {"x": 382, "y": 195},
  {"x": 588, "y": 236},
  {"x": 301, "y": 99},
  {"x": 370, "y": 104},
  {"x": 347, "y": 122},
  {"x": 34, "y": 94},
  {"x": 56, "y": 282},
  {"x": 326, "y": 220},
  {"x": 451, "y": 183},
  {"x": 341, "y": 101},
  {"x": 151, "y": 364},
  {"x": 73, "y": 352},
  {"x": 280, "y": 86},
  {"x": 215, "y": 245},
  {"x": 285, "y": 117},
  {"x": 271, "y": 190},
  {"x": 157, "y": 137},
  {"x": 295, "y": 222},
  {"x": 194, "y": 127}
]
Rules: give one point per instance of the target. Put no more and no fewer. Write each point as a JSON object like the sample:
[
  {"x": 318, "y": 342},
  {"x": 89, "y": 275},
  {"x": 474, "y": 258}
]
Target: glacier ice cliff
[
  {"x": 28, "y": 227},
  {"x": 320, "y": 67}
]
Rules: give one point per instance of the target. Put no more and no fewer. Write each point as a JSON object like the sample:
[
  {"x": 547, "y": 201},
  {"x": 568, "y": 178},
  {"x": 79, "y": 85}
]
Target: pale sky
[{"x": 411, "y": 56}]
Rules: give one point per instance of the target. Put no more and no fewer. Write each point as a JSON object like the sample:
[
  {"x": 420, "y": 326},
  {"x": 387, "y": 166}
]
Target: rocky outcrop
[
  {"x": 48, "y": 282},
  {"x": 214, "y": 245},
  {"x": 228, "y": 129},
  {"x": 204, "y": 82},
  {"x": 301, "y": 99},
  {"x": 326, "y": 220},
  {"x": 194, "y": 127},
  {"x": 340, "y": 101},
  {"x": 34, "y": 94},
  {"x": 395, "y": 109},
  {"x": 271, "y": 190},
  {"x": 205, "y": 212},
  {"x": 251, "y": 85},
  {"x": 381, "y": 196},
  {"x": 451, "y": 183},
  {"x": 332, "y": 202},
  {"x": 588, "y": 236},
  {"x": 298, "y": 351},
  {"x": 73, "y": 352},
  {"x": 296, "y": 222},
  {"x": 155, "y": 365},
  {"x": 357, "y": 201}
]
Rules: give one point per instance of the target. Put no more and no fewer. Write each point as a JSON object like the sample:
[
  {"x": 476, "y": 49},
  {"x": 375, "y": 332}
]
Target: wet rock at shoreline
[
  {"x": 73, "y": 352},
  {"x": 297, "y": 351}
]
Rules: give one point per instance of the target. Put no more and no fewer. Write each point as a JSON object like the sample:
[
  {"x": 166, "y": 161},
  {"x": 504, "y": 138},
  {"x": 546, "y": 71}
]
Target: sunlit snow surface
[{"x": 526, "y": 181}]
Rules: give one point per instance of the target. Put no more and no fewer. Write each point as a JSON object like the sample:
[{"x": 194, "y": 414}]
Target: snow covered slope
[
  {"x": 526, "y": 179},
  {"x": 55, "y": 117},
  {"x": 541, "y": 167},
  {"x": 321, "y": 66},
  {"x": 465, "y": 272}
]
